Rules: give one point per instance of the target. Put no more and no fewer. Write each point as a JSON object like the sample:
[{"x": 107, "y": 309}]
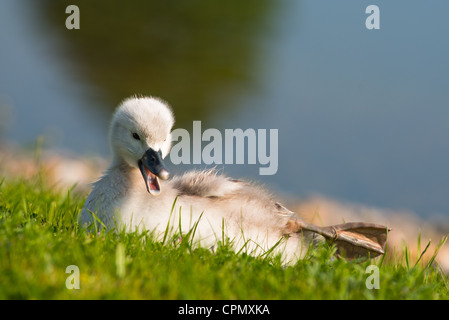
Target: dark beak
[{"x": 152, "y": 168}]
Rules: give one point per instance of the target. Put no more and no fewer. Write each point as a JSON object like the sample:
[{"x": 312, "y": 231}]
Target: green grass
[{"x": 40, "y": 238}]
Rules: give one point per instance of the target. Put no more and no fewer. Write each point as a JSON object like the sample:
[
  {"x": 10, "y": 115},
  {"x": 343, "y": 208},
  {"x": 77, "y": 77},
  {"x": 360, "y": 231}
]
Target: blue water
[
  {"x": 363, "y": 115},
  {"x": 38, "y": 94}
]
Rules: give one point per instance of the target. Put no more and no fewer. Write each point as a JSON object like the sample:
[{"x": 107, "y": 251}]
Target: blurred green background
[{"x": 188, "y": 52}]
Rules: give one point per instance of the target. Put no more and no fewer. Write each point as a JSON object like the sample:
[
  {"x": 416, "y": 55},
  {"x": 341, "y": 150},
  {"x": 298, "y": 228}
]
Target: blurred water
[
  {"x": 37, "y": 91},
  {"x": 363, "y": 116}
]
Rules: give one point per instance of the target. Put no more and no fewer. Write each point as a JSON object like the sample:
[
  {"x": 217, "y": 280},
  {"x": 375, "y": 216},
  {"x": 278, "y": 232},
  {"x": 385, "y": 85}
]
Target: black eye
[{"x": 136, "y": 136}]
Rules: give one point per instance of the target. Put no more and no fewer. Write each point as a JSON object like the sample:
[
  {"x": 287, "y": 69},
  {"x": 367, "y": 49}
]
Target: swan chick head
[{"x": 140, "y": 137}]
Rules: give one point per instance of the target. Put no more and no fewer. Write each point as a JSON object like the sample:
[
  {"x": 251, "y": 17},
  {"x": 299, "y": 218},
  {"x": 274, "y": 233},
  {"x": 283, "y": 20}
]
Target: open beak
[{"x": 152, "y": 168}]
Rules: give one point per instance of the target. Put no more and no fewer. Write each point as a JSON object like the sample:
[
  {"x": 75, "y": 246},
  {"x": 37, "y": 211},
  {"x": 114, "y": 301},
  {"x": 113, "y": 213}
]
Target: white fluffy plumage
[{"x": 247, "y": 211}]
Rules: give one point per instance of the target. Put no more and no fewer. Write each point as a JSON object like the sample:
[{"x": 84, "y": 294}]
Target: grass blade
[
  {"x": 192, "y": 231},
  {"x": 386, "y": 248},
  {"x": 432, "y": 259},
  {"x": 424, "y": 251},
  {"x": 95, "y": 221},
  {"x": 169, "y": 219}
]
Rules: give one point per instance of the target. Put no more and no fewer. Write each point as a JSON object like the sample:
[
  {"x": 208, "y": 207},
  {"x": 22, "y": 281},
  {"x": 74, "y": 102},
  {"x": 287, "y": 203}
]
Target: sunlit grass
[{"x": 40, "y": 237}]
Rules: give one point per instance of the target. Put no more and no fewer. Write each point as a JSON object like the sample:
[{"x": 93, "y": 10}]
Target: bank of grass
[{"x": 40, "y": 238}]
